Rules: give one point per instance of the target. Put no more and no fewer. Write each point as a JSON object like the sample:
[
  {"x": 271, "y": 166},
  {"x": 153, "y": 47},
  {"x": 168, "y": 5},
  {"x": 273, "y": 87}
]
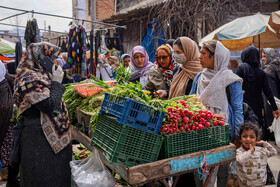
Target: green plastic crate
[
  {"x": 126, "y": 145},
  {"x": 194, "y": 141}
]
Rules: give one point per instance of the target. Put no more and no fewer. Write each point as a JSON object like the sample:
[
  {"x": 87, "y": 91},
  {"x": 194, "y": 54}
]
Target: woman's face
[
  {"x": 126, "y": 61},
  {"x": 163, "y": 59},
  {"x": 248, "y": 137},
  {"x": 177, "y": 50},
  {"x": 139, "y": 58},
  {"x": 205, "y": 60},
  {"x": 264, "y": 58}
]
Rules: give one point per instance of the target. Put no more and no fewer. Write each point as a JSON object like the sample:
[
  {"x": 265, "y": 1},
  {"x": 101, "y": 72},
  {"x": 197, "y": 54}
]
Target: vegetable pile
[{"x": 183, "y": 116}]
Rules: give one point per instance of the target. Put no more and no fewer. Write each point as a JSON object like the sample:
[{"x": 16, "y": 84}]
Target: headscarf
[
  {"x": 189, "y": 70},
  {"x": 168, "y": 74},
  {"x": 33, "y": 85},
  {"x": 273, "y": 59},
  {"x": 124, "y": 56},
  {"x": 2, "y": 71},
  {"x": 212, "y": 84},
  {"x": 250, "y": 56},
  {"x": 272, "y": 56},
  {"x": 142, "y": 72}
]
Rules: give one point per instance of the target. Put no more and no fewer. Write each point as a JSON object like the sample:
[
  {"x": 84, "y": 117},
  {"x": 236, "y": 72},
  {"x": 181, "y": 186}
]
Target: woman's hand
[
  {"x": 160, "y": 94},
  {"x": 276, "y": 113},
  {"x": 57, "y": 74}
]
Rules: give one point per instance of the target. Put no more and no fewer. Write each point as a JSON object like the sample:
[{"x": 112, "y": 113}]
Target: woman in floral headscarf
[
  {"x": 140, "y": 65},
  {"x": 45, "y": 148},
  {"x": 161, "y": 75}
]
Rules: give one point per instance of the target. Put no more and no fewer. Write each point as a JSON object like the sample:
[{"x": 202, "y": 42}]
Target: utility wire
[
  {"x": 65, "y": 17},
  {"x": 25, "y": 27},
  {"x": 13, "y": 16}
]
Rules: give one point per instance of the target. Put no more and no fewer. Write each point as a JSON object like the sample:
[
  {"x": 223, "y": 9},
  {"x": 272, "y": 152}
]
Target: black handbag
[
  {"x": 14, "y": 155},
  {"x": 270, "y": 178}
]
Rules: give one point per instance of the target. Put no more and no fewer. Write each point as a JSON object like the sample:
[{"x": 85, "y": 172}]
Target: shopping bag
[
  {"x": 275, "y": 127},
  {"x": 91, "y": 172}
]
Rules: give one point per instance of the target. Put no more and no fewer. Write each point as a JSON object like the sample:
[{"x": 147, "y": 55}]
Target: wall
[
  {"x": 10, "y": 38},
  {"x": 104, "y": 9}
]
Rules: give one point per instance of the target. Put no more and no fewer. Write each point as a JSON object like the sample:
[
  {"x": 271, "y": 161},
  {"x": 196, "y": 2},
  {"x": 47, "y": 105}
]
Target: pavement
[{"x": 274, "y": 163}]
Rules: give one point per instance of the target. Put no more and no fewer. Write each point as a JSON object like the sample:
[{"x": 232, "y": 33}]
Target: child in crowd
[{"x": 252, "y": 156}]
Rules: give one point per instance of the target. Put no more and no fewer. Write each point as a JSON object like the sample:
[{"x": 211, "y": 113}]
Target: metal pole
[
  {"x": 25, "y": 27},
  {"x": 96, "y": 47},
  {"x": 140, "y": 39},
  {"x": 259, "y": 36},
  {"x": 115, "y": 7},
  {"x": 13, "y": 16},
  {"x": 91, "y": 53},
  {"x": 65, "y": 17}
]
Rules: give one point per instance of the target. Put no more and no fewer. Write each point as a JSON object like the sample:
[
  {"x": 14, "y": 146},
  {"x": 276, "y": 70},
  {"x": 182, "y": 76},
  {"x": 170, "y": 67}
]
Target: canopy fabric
[
  {"x": 274, "y": 22},
  {"x": 245, "y": 31},
  {"x": 6, "y": 47}
]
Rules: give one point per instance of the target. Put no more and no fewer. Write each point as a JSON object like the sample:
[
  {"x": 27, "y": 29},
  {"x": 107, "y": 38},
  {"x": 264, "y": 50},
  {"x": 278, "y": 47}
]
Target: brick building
[{"x": 104, "y": 9}]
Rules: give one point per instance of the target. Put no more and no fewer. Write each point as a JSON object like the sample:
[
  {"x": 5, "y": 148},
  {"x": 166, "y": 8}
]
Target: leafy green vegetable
[
  {"x": 99, "y": 83},
  {"x": 122, "y": 74}
]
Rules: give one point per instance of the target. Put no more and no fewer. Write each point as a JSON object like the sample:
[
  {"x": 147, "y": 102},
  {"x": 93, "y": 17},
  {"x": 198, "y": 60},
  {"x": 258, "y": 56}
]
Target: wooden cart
[{"x": 162, "y": 169}]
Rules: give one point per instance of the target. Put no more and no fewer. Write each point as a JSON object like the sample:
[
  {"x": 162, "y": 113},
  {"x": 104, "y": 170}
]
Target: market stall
[
  {"x": 162, "y": 169},
  {"x": 145, "y": 139}
]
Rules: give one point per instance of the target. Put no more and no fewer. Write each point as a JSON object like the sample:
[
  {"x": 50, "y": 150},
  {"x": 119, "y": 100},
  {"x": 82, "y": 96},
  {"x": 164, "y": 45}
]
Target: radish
[
  {"x": 215, "y": 123},
  {"x": 186, "y": 119},
  {"x": 207, "y": 124}
]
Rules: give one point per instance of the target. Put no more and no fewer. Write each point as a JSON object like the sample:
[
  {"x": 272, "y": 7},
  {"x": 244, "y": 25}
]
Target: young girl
[{"x": 252, "y": 156}]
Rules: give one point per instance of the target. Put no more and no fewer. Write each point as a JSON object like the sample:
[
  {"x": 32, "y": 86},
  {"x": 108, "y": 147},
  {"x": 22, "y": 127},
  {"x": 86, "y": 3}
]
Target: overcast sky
[{"x": 58, "y": 7}]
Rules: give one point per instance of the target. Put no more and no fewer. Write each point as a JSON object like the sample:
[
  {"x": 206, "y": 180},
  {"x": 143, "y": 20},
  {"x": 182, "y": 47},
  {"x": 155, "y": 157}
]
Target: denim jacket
[{"x": 235, "y": 106}]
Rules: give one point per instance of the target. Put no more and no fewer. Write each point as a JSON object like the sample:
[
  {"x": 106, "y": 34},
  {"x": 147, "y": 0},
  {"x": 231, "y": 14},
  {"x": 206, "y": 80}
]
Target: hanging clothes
[
  {"x": 32, "y": 33},
  {"x": 18, "y": 51},
  {"x": 77, "y": 51}
]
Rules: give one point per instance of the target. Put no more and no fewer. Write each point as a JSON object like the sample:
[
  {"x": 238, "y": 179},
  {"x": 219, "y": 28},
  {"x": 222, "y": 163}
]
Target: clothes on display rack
[
  {"x": 77, "y": 51},
  {"x": 32, "y": 32},
  {"x": 114, "y": 41},
  {"x": 18, "y": 51}
]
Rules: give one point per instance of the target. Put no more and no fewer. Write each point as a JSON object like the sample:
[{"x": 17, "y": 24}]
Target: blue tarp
[{"x": 153, "y": 39}]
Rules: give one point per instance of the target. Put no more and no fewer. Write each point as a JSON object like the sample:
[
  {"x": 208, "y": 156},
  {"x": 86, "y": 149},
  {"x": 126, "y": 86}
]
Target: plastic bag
[
  {"x": 91, "y": 172},
  {"x": 275, "y": 127}
]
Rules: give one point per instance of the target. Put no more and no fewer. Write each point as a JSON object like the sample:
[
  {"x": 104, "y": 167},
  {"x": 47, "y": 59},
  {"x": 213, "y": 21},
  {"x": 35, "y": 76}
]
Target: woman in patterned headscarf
[
  {"x": 45, "y": 148},
  {"x": 161, "y": 75}
]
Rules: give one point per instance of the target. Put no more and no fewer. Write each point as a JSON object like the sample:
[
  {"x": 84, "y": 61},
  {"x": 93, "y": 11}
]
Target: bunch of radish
[{"x": 181, "y": 117}]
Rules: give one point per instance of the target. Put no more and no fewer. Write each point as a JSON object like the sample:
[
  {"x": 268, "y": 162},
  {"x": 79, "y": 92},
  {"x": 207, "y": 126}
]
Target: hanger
[{"x": 72, "y": 23}]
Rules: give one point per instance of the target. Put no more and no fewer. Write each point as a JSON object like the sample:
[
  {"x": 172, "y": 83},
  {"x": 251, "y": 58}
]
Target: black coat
[
  {"x": 255, "y": 82},
  {"x": 6, "y": 105},
  {"x": 274, "y": 83}
]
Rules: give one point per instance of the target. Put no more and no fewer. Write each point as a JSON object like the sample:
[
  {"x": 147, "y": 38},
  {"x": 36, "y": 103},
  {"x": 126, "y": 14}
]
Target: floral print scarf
[{"x": 33, "y": 85}]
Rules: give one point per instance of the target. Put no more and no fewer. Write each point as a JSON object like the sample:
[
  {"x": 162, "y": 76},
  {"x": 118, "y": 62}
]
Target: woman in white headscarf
[{"x": 220, "y": 90}]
